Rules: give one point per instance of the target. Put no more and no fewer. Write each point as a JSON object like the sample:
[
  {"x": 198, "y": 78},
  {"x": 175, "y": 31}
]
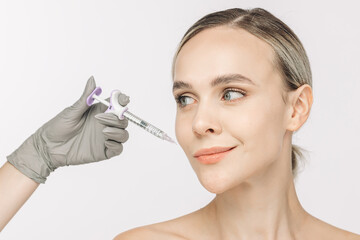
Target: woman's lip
[
  {"x": 219, "y": 154},
  {"x": 213, "y": 150}
]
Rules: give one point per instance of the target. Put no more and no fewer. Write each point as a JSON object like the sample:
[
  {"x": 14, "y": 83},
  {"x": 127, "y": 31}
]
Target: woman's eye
[
  {"x": 231, "y": 95},
  {"x": 184, "y": 100}
]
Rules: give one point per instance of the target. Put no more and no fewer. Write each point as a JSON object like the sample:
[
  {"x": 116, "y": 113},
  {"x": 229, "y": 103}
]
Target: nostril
[{"x": 211, "y": 130}]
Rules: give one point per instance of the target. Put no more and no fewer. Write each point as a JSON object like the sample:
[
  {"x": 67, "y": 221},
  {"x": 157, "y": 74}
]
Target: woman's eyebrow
[
  {"x": 227, "y": 78},
  {"x": 181, "y": 85},
  {"x": 222, "y": 79}
]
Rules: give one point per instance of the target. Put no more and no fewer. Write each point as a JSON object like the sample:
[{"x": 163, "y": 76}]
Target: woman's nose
[{"x": 206, "y": 121}]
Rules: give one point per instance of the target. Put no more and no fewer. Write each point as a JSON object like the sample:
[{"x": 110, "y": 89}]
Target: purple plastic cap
[{"x": 90, "y": 98}]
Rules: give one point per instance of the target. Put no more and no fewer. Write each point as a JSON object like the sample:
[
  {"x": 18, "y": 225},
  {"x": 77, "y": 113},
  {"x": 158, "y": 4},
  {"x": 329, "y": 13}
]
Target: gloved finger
[
  {"x": 116, "y": 134},
  {"x": 77, "y": 110},
  {"x": 111, "y": 120},
  {"x": 123, "y": 99},
  {"x": 80, "y": 106},
  {"x": 112, "y": 148}
]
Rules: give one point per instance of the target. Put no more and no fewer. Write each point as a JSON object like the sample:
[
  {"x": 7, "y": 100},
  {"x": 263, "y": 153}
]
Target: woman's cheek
[
  {"x": 241, "y": 121},
  {"x": 248, "y": 124},
  {"x": 264, "y": 139},
  {"x": 178, "y": 130},
  {"x": 183, "y": 129}
]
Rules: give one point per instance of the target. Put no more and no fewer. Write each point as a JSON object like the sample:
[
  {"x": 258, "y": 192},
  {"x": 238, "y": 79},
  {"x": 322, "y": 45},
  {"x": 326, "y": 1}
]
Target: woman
[{"x": 242, "y": 82}]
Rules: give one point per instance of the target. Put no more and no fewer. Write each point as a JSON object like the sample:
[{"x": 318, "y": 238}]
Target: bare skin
[
  {"x": 17, "y": 188},
  {"x": 254, "y": 187},
  {"x": 189, "y": 227}
]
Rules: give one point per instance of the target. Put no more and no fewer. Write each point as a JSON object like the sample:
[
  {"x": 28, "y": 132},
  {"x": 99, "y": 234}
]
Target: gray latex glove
[{"x": 79, "y": 134}]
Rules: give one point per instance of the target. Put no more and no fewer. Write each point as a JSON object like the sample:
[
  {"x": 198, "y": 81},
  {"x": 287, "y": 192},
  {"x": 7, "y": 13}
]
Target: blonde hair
[{"x": 290, "y": 58}]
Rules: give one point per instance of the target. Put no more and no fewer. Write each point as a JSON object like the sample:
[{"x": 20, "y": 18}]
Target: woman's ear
[{"x": 300, "y": 102}]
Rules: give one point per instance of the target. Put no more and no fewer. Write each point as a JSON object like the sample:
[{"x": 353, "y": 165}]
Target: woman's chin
[{"x": 215, "y": 184}]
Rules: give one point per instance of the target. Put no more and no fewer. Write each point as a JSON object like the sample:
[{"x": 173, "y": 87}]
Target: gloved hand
[{"x": 79, "y": 134}]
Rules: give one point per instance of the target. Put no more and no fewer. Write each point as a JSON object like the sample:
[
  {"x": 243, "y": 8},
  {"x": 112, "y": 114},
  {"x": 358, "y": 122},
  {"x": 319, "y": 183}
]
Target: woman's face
[{"x": 230, "y": 97}]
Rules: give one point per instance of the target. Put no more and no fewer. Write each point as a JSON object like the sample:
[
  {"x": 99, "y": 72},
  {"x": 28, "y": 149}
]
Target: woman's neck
[{"x": 264, "y": 208}]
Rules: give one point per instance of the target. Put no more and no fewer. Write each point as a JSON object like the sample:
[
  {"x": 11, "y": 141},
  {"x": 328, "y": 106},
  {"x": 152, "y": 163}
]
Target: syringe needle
[{"x": 167, "y": 138}]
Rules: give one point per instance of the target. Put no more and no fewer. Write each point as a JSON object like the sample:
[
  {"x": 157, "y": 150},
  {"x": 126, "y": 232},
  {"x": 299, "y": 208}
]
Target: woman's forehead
[{"x": 224, "y": 50}]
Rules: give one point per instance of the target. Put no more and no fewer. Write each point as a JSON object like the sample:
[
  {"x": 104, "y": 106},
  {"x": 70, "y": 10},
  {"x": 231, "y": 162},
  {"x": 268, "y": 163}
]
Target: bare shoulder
[
  {"x": 337, "y": 233},
  {"x": 181, "y": 228},
  {"x": 322, "y": 230},
  {"x": 149, "y": 233}
]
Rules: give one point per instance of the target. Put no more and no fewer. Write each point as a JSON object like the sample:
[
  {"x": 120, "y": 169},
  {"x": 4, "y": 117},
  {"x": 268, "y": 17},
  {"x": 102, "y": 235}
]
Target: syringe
[{"x": 122, "y": 112}]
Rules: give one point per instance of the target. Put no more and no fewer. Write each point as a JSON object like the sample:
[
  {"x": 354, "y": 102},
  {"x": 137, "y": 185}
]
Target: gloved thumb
[
  {"x": 123, "y": 99},
  {"x": 80, "y": 106}
]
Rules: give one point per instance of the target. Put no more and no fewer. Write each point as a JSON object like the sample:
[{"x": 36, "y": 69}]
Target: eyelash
[{"x": 179, "y": 96}]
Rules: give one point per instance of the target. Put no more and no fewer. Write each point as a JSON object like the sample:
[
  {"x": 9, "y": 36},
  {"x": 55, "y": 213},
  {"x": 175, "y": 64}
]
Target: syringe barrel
[{"x": 145, "y": 125}]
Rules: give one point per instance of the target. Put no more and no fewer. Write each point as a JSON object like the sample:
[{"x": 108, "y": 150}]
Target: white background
[{"x": 48, "y": 49}]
